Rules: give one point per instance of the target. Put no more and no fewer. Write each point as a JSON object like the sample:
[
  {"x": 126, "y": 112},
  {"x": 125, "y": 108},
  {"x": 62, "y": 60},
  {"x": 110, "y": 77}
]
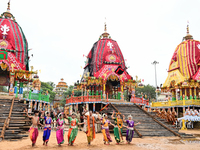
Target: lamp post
[{"x": 155, "y": 63}]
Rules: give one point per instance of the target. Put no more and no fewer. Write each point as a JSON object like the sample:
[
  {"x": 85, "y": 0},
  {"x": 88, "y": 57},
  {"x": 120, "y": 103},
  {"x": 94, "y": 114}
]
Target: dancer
[
  {"x": 118, "y": 127},
  {"x": 34, "y": 127},
  {"x": 105, "y": 129},
  {"x": 90, "y": 127},
  {"x": 73, "y": 129},
  {"x": 47, "y": 128},
  {"x": 60, "y": 129},
  {"x": 130, "y": 128}
]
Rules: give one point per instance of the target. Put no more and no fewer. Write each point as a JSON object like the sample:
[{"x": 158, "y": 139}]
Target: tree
[
  {"x": 69, "y": 92},
  {"x": 148, "y": 90},
  {"x": 48, "y": 86},
  {"x": 51, "y": 84}
]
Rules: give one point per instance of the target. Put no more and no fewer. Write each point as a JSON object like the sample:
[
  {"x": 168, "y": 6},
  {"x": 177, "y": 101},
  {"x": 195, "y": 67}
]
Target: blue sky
[{"x": 60, "y": 32}]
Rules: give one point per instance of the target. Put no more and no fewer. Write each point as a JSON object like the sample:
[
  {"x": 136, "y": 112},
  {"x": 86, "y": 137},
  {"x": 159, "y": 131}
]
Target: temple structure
[
  {"x": 14, "y": 59},
  {"x": 14, "y": 64},
  {"x": 61, "y": 87},
  {"x": 183, "y": 76},
  {"x": 105, "y": 72},
  {"x": 105, "y": 78}
]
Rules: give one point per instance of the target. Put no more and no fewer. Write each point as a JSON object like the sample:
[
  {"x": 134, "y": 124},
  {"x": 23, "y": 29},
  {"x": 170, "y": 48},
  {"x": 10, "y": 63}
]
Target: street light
[{"x": 155, "y": 63}]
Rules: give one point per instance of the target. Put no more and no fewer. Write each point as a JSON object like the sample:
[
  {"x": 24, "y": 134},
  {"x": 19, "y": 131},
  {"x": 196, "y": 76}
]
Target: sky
[{"x": 60, "y": 32}]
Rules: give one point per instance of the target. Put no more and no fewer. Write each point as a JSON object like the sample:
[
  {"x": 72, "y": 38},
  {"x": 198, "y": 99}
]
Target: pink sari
[{"x": 60, "y": 131}]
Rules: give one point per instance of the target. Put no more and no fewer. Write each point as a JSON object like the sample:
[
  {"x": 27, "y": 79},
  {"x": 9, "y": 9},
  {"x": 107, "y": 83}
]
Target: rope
[{"x": 6, "y": 123}]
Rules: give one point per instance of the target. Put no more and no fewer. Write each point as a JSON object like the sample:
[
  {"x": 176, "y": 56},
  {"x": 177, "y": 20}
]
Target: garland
[
  {"x": 118, "y": 123},
  {"x": 20, "y": 75},
  {"x": 27, "y": 75}
]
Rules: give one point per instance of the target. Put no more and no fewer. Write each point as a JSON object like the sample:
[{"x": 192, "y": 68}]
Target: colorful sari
[
  {"x": 90, "y": 130},
  {"x": 60, "y": 131},
  {"x": 130, "y": 130},
  {"x": 73, "y": 130},
  {"x": 118, "y": 129},
  {"x": 33, "y": 133},
  {"x": 47, "y": 129},
  {"x": 105, "y": 130}
]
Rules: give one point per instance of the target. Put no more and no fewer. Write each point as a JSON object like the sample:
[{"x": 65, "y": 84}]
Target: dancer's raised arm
[
  {"x": 31, "y": 117},
  {"x": 137, "y": 123},
  {"x": 124, "y": 119},
  {"x": 113, "y": 115}
]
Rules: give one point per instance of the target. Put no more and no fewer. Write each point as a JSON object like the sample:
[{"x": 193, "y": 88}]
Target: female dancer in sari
[
  {"x": 47, "y": 128},
  {"x": 105, "y": 129},
  {"x": 60, "y": 129},
  {"x": 130, "y": 129},
  {"x": 73, "y": 128},
  {"x": 118, "y": 127}
]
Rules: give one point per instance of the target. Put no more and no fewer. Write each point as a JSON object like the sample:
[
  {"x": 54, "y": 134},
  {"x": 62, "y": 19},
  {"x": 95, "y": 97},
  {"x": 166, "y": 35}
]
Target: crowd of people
[
  {"x": 92, "y": 123},
  {"x": 169, "y": 116},
  {"x": 190, "y": 116}
]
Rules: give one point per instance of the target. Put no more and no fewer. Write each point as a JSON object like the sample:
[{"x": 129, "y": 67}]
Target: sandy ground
[{"x": 155, "y": 143}]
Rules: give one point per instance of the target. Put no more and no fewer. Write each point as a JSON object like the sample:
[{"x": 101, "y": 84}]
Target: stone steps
[
  {"x": 148, "y": 126},
  {"x": 18, "y": 124}
]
